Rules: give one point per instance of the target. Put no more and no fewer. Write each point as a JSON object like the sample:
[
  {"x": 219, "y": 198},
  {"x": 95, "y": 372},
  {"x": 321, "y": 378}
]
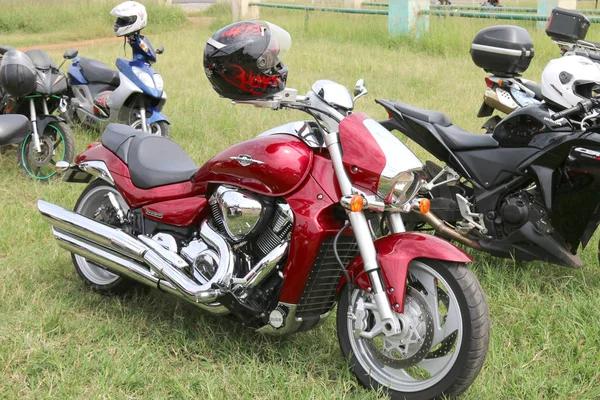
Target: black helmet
[{"x": 242, "y": 60}]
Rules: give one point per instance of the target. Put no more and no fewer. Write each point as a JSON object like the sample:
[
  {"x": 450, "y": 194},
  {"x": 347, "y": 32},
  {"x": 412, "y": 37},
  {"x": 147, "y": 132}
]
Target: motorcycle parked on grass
[
  {"x": 529, "y": 189},
  {"x": 507, "y": 91},
  {"x": 32, "y": 85},
  {"x": 133, "y": 95},
  {"x": 274, "y": 231}
]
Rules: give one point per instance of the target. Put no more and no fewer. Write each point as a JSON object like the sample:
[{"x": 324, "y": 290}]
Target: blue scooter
[{"x": 133, "y": 95}]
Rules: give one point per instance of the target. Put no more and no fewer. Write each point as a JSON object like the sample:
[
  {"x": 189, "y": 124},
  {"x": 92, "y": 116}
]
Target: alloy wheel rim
[
  {"x": 440, "y": 356},
  {"x": 94, "y": 199}
]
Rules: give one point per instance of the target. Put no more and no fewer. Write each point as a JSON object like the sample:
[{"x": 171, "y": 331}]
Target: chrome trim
[
  {"x": 104, "y": 241},
  {"x": 304, "y": 130},
  {"x": 290, "y": 325},
  {"x": 61, "y": 166},
  {"x": 245, "y": 160},
  {"x": 333, "y": 94},
  {"x": 240, "y": 211},
  {"x": 263, "y": 268},
  {"x": 97, "y": 169},
  {"x": 122, "y": 266},
  {"x": 500, "y": 50}
]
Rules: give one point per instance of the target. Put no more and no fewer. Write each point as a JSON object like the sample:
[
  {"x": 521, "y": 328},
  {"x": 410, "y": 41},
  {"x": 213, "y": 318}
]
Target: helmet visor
[{"x": 279, "y": 44}]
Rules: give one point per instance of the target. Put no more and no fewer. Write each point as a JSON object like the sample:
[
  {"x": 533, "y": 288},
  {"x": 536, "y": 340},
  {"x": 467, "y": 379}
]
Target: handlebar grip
[{"x": 585, "y": 105}]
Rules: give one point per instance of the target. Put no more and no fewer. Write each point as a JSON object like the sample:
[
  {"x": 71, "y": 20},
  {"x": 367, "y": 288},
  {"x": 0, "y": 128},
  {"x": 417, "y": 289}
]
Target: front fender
[
  {"x": 394, "y": 254},
  {"x": 44, "y": 120},
  {"x": 156, "y": 116}
]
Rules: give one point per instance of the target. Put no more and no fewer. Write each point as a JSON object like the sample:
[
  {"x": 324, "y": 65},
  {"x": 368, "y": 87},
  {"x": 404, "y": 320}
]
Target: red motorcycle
[{"x": 275, "y": 231}]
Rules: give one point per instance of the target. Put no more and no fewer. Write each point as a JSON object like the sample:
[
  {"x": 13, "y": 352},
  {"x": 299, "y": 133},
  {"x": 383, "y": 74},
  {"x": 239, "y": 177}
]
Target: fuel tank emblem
[
  {"x": 153, "y": 213},
  {"x": 245, "y": 160}
]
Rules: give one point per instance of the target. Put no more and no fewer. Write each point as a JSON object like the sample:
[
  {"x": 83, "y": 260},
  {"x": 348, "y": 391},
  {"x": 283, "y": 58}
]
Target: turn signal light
[
  {"x": 424, "y": 206},
  {"x": 357, "y": 203}
]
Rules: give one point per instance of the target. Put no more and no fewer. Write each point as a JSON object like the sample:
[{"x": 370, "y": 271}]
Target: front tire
[
  {"x": 94, "y": 203},
  {"x": 56, "y": 143},
  {"x": 445, "y": 346},
  {"x": 159, "y": 128}
]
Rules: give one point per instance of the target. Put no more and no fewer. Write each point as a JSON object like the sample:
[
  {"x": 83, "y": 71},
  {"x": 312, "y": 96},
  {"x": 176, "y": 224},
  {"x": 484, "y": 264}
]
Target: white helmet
[
  {"x": 568, "y": 80},
  {"x": 131, "y": 17}
]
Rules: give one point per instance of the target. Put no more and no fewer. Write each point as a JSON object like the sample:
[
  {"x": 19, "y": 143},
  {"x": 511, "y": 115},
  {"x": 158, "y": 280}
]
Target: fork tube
[
  {"x": 395, "y": 222},
  {"x": 33, "y": 118},
  {"x": 364, "y": 239},
  {"x": 143, "y": 115},
  {"x": 45, "y": 106}
]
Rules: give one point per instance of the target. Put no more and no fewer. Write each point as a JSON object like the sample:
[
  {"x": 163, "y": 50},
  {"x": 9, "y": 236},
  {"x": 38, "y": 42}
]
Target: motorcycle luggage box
[
  {"x": 567, "y": 25},
  {"x": 17, "y": 74},
  {"x": 503, "y": 50}
]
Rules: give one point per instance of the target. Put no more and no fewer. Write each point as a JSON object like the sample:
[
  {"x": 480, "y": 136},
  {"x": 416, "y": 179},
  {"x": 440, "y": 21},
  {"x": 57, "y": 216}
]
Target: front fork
[
  {"x": 33, "y": 118},
  {"x": 362, "y": 232},
  {"x": 143, "y": 114}
]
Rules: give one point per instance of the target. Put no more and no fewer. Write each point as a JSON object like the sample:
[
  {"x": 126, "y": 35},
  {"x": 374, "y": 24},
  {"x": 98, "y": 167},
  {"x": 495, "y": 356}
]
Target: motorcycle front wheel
[
  {"x": 160, "y": 128},
  {"x": 56, "y": 144},
  {"x": 444, "y": 347}
]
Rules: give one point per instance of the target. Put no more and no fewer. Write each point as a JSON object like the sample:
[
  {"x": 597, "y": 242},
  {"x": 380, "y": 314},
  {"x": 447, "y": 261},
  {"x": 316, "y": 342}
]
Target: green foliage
[{"x": 60, "y": 340}]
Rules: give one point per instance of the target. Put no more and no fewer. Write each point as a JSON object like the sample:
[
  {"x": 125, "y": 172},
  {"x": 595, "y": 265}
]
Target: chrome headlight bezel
[{"x": 403, "y": 188}]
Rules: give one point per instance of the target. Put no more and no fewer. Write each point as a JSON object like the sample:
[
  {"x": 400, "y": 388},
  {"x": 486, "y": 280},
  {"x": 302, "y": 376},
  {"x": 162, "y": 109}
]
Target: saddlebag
[{"x": 502, "y": 50}]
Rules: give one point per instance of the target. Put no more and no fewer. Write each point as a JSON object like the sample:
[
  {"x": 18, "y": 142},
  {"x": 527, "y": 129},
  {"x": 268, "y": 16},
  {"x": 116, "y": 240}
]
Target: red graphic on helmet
[
  {"x": 250, "y": 82},
  {"x": 242, "y": 30}
]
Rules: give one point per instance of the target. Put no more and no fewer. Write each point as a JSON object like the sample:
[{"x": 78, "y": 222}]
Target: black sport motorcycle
[{"x": 528, "y": 191}]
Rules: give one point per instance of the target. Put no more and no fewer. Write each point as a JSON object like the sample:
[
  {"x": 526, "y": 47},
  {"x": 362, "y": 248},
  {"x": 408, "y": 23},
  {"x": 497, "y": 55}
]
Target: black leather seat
[
  {"x": 536, "y": 88},
  {"x": 98, "y": 72},
  {"x": 153, "y": 160},
  {"x": 457, "y": 139},
  {"x": 13, "y": 129},
  {"x": 433, "y": 117}
]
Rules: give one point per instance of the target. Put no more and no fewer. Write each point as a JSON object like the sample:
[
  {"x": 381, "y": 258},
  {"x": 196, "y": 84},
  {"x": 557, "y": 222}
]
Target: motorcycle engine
[{"x": 522, "y": 207}]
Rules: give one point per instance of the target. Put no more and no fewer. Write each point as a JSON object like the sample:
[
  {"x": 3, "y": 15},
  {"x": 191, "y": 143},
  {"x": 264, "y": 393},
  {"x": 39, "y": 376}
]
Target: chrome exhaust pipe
[
  {"x": 140, "y": 259},
  {"x": 263, "y": 268}
]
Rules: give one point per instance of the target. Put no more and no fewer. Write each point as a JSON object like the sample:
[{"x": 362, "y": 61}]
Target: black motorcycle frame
[{"x": 551, "y": 180}]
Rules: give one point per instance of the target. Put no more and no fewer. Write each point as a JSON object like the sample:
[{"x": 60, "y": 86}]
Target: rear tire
[
  {"x": 89, "y": 204},
  {"x": 436, "y": 359}
]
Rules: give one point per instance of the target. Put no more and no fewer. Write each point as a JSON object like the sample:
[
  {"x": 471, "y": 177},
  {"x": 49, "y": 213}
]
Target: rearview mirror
[
  {"x": 69, "y": 54},
  {"x": 360, "y": 89},
  {"x": 160, "y": 50}
]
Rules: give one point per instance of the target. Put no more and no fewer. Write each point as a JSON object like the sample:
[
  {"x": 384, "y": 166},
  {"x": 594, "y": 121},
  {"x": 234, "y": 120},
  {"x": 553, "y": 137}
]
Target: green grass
[
  {"x": 33, "y": 22},
  {"x": 60, "y": 340}
]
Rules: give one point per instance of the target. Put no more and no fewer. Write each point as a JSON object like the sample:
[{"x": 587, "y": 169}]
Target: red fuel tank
[{"x": 270, "y": 165}]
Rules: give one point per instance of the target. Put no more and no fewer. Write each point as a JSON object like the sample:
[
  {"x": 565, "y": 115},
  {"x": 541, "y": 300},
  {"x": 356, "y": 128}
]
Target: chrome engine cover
[
  {"x": 203, "y": 260},
  {"x": 239, "y": 212}
]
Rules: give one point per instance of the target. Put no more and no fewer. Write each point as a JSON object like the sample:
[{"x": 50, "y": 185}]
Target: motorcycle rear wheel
[
  {"x": 57, "y": 144},
  {"x": 93, "y": 203},
  {"x": 447, "y": 342}
]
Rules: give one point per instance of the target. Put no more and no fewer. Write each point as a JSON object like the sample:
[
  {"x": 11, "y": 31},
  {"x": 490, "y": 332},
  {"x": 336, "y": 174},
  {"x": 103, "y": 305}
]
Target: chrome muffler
[{"x": 141, "y": 259}]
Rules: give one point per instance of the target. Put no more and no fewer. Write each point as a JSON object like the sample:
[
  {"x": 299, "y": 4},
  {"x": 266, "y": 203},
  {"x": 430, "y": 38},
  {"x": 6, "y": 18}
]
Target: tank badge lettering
[
  {"x": 245, "y": 160},
  {"x": 153, "y": 213}
]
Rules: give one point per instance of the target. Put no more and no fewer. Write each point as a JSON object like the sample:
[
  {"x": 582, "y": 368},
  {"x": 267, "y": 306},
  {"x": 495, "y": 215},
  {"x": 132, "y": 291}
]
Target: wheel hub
[
  {"x": 45, "y": 155},
  {"x": 409, "y": 347}
]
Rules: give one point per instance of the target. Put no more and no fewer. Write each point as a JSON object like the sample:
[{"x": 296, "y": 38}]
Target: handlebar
[{"x": 584, "y": 106}]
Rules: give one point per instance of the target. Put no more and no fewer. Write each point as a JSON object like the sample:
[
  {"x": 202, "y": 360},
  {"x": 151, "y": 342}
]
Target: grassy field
[{"x": 59, "y": 340}]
